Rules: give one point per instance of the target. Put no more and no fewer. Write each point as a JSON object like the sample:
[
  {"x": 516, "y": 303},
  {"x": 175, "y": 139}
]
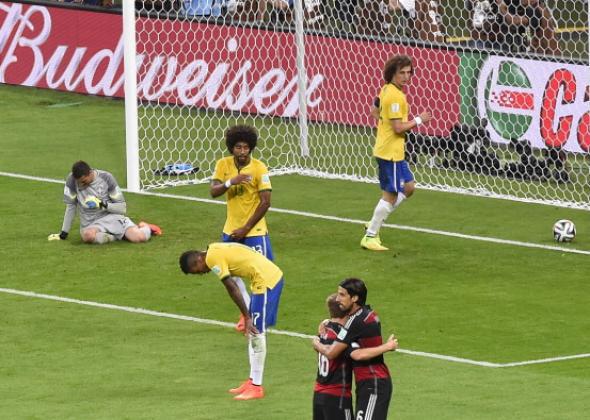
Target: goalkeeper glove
[
  {"x": 58, "y": 236},
  {"x": 95, "y": 203}
]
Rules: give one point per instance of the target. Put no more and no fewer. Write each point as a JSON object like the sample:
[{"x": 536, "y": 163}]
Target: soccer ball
[{"x": 564, "y": 230}]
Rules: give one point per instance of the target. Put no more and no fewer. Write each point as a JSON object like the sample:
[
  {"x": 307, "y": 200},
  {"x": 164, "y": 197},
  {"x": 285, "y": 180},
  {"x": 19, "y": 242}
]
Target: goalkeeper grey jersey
[{"x": 104, "y": 187}]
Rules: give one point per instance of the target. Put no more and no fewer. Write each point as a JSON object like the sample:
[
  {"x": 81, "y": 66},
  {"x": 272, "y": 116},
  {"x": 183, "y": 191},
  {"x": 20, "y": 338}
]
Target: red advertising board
[{"x": 217, "y": 66}]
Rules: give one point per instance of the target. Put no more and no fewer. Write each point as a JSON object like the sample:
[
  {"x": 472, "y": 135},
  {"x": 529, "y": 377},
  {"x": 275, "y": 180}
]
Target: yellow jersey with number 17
[
  {"x": 392, "y": 105},
  {"x": 243, "y": 199},
  {"x": 234, "y": 259}
]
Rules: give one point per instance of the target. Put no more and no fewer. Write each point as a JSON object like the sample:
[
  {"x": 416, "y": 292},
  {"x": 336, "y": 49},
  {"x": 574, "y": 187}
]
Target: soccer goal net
[{"x": 507, "y": 83}]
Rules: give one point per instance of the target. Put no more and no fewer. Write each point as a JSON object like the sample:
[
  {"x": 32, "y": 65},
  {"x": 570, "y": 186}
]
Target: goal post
[
  {"x": 130, "y": 85},
  {"x": 509, "y": 95}
]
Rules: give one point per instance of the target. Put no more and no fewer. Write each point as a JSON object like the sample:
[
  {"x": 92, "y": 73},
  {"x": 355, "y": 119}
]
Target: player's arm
[
  {"x": 217, "y": 188},
  {"x": 235, "y": 294},
  {"x": 400, "y": 127},
  {"x": 331, "y": 351},
  {"x": 116, "y": 202},
  {"x": 375, "y": 108},
  {"x": 258, "y": 214},
  {"x": 70, "y": 199},
  {"x": 66, "y": 225},
  {"x": 372, "y": 352},
  {"x": 322, "y": 326}
]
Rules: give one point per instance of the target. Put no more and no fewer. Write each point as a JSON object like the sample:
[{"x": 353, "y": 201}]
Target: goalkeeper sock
[
  {"x": 146, "y": 231},
  {"x": 382, "y": 210},
  {"x": 257, "y": 353},
  {"x": 103, "y": 238},
  {"x": 245, "y": 295}
]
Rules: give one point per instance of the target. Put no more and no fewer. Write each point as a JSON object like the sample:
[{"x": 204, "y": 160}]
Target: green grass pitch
[{"x": 444, "y": 295}]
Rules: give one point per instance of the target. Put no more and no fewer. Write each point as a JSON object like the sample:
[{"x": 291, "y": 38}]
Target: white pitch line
[
  {"x": 547, "y": 360},
  {"x": 344, "y": 219},
  {"x": 274, "y": 331},
  {"x": 65, "y": 105}
]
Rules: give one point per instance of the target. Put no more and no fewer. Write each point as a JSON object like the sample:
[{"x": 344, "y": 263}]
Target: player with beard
[{"x": 361, "y": 335}]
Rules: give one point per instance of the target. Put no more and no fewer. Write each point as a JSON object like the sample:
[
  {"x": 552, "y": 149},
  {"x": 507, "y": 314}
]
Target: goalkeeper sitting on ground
[{"x": 102, "y": 208}]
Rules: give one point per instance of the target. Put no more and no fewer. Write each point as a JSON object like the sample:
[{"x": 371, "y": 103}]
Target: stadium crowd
[{"x": 507, "y": 25}]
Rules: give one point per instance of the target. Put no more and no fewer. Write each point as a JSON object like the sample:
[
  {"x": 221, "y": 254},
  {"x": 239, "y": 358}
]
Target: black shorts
[
  {"x": 372, "y": 399},
  {"x": 330, "y": 407}
]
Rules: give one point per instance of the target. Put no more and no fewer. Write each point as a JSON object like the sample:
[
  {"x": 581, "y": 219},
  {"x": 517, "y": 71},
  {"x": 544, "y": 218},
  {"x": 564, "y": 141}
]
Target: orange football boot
[{"x": 241, "y": 388}]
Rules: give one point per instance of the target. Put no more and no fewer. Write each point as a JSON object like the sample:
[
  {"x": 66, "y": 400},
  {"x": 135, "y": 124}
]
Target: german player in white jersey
[
  {"x": 99, "y": 201},
  {"x": 395, "y": 177}
]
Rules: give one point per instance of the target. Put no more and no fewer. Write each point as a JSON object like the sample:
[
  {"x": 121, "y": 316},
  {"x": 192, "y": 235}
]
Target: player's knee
[
  {"x": 409, "y": 190},
  {"x": 135, "y": 235}
]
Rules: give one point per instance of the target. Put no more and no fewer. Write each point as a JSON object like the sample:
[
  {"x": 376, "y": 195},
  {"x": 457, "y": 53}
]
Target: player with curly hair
[
  {"x": 246, "y": 182},
  {"x": 395, "y": 177}
]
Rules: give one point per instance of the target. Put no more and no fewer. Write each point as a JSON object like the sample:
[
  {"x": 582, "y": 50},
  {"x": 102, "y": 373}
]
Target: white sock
[
  {"x": 382, "y": 210},
  {"x": 243, "y": 290},
  {"x": 257, "y": 353},
  {"x": 400, "y": 197},
  {"x": 103, "y": 238},
  {"x": 147, "y": 232}
]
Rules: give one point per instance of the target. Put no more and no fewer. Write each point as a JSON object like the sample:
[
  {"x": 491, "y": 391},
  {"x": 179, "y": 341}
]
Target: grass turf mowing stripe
[
  {"x": 274, "y": 331},
  {"x": 345, "y": 220}
]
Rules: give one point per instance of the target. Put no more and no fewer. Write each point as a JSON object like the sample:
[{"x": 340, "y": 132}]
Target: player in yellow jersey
[
  {"x": 229, "y": 260},
  {"x": 247, "y": 184},
  {"x": 395, "y": 177}
]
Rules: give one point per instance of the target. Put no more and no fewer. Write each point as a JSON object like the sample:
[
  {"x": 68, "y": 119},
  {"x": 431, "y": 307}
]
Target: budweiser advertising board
[
  {"x": 216, "y": 66},
  {"x": 545, "y": 103}
]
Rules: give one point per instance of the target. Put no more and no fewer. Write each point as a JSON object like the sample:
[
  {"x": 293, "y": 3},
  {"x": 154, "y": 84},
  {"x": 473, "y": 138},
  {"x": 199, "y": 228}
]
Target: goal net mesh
[{"x": 507, "y": 83}]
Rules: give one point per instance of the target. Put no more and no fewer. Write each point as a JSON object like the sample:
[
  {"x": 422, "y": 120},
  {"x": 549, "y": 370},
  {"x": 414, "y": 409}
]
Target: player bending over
[
  {"x": 228, "y": 260},
  {"x": 102, "y": 209}
]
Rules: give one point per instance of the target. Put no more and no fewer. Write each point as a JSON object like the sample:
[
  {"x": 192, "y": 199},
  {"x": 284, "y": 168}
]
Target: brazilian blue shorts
[
  {"x": 264, "y": 307},
  {"x": 393, "y": 175},
  {"x": 259, "y": 244}
]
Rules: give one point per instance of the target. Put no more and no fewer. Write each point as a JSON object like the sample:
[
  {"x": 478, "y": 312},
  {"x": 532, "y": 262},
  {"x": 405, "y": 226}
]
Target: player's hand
[
  {"x": 239, "y": 233},
  {"x": 62, "y": 236},
  {"x": 241, "y": 179},
  {"x": 425, "y": 116},
  {"x": 93, "y": 202},
  {"x": 391, "y": 343},
  {"x": 249, "y": 327}
]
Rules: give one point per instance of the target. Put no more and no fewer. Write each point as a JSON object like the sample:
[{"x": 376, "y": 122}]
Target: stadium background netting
[{"x": 508, "y": 88}]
